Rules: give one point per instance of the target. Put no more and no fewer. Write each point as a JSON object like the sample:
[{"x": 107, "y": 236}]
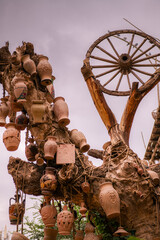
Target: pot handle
[{"x": 10, "y": 200}]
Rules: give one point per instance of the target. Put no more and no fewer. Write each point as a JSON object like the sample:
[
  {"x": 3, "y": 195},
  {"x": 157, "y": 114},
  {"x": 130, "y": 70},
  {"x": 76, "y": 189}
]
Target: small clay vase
[
  {"x": 79, "y": 235},
  {"x": 20, "y": 89},
  {"x": 48, "y": 182},
  {"x": 16, "y": 211},
  {"x": 4, "y": 110},
  {"x": 39, "y": 160},
  {"x": 18, "y": 236},
  {"x": 30, "y": 151},
  {"x": 85, "y": 187},
  {"x": 48, "y": 213},
  {"x": 50, "y": 148},
  {"x": 90, "y": 232},
  {"x": 21, "y": 121},
  {"x": 11, "y": 137},
  {"x": 83, "y": 210},
  {"x": 44, "y": 70},
  {"x": 61, "y": 111},
  {"x": 109, "y": 200},
  {"x": 79, "y": 139},
  {"x": 38, "y": 111},
  {"x": 50, "y": 233},
  {"x": 51, "y": 93},
  {"x": 29, "y": 65},
  {"x": 65, "y": 220}
]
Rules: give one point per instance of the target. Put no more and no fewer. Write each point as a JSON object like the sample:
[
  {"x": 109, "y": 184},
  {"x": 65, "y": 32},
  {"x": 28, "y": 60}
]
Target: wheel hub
[{"x": 125, "y": 62}]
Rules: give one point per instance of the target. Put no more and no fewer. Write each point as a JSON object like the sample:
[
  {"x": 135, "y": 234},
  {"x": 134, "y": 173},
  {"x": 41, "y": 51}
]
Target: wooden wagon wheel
[{"x": 129, "y": 56}]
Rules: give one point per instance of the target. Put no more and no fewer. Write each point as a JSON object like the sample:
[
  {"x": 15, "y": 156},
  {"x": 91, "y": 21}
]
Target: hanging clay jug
[
  {"x": 38, "y": 111},
  {"x": 39, "y": 160},
  {"x": 50, "y": 233},
  {"x": 29, "y": 65},
  {"x": 21, "y": 121},
  {"x": 11, "y": 137},
  {"x": 85, "y": 187},
  {"x": 61, "y": 111},
  {"x": 83, "y": 210},
  {"x": 16, "y": 211},
  {"x": 65, "y": 220},
  {"x": 30, "y": 151},
  {"x": 154, "y": 176},
  {"x": 90, "y": 232},
  {"x": 79, "y": 235},
  {"x": 48, "y": 182},
  {"x": 48, "y": 213},
  {"x": 44, "y": 70},
  {"x": 109, "y": 200},
  {"x": 79, "y": 139},
  {"x": 51, "y": 93},
  {"x": 18, "y": 236},
  {"x": 4, "y": 110},
  {"x": 20, "y": 89},
  {"x": 50, "y": 148}
]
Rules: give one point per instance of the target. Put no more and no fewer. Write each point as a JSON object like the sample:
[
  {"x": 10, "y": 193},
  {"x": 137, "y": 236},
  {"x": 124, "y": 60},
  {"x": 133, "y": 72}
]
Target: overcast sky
[{"x": 63, "y": 30}]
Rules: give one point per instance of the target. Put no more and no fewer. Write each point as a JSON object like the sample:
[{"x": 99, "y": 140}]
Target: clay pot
[
  {"x": 11, "y": 137},
  {"x": 79, "y": 235},
  {"x": 38, "y": 111},
  {"x": 30, "y": 151},
  {"x": 120, "y": 232},
  {"x": 89, "y": 232},
  {"x": 79, "y": 139},
  {"x": 21, "y": 121},
  {"x": 16, "y": 212},
  {"x": 51, "y": 93},
  {"x": 85, "y": 187},
  {"x": 29, "y": 65},
  {"x": 14, "y": 105},
  {"x": 44, "y": 70},
  {"x": 109, "y": 200},
  {"x": 65, "y": 220},
  {"x": 4, "y": 110},
  {"x": 48, "y": 182},
  {"x": 15, "y": 58},
  {"x": 83, "y": 210},
  {"x": 48, "y": 213},
  {"x": 39, "y": 160},
  {"x": 50, "y": 234},
  {"x": 50, "y": 148},
  {"x": 18, "y": 236},
  {"x": 20, "y": 89},
  {"x": 61, "y": 111},
  {"x": 154, "y": 176}
]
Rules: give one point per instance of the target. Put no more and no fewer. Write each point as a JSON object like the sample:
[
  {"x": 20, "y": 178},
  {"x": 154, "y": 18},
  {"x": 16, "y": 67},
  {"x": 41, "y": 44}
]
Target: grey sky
[{"x": 63, "y": 30}]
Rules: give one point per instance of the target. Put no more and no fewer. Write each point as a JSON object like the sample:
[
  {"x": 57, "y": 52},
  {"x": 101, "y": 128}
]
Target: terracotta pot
[
  {"x": 11, "y": 137},
  {"x": 50, "y": 148},
  {"x": 4, "y": 110},
  {"x": 18, "y": 236},
  {"x": 20, "y": 89},
  {"x": 79, "y": 139},
  {"x": 65, "y": 220},
  {"x": 109, "y": 200},
  {"x": 89, "y": 232},
  {"x": 79, "y": 235},
  {"x": 15, "y": 58},
  {"x": 51, "y": 93},
  {"x": 21, "y": 121},
  {"x": 154, "y": 176},
  {"x": 48, "y": 213},
  {"x": 44, "y": 70},
  {"x": 61, "y": 111},
  {"x": 83, "y": 210},
  {"x": 14, "y": 105},
  {"x": 38, "y": 111},
  {"x": 50, "y": 234},
  {"x": 121, "y": 232},
  {"x": 30, "y": 151},
  {"x": 39, "y": 160},
  {"x": 48, "y": 182},
  {"x": 16, "y": 212},
  {"x": 85, "y": 187},
  {"x": 29, "y": 65}
]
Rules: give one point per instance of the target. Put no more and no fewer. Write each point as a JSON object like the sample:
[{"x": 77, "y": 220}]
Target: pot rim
[
  {"x": 58, "y": 98},
  {"x": 105, "y": 183}
]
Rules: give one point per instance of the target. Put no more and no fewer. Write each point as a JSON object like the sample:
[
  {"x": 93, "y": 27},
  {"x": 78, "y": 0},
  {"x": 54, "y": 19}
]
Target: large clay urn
[
  {"x": 79, "y": 235},
  {"x": 65, "y": 220},
  {"x": 109, "y": 200},
  {"x": 50, "y": 233},
  {"x": 30, "y": 151},
  {"x": 20, "y": 89},
  {"x": 21, "y": 121},
  {"x": 11, "y": 137},
  {"x": 48, "y": 182},
  {"x": 79, "y": 139},
  {"x": 18, "y": 236},
  {"x": 44, "y": 70},
  {"x": 48, "y": 213},
  {"x": 90, "y": 232},
  {"x": 29, "y": 65},
  {"x": 38, "y": 111},
  {"x": 50, "y": 148},
  {"x": 61, "y": 111},
  {"x": 4, "y": 110}
]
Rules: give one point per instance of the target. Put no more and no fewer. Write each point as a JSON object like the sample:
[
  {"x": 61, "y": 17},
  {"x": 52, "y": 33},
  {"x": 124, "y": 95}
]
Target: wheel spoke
[
  {"x": 137, "y": 77},
  {"x": 103, "y": 50},
  {"x": 103, "y": 59},
  {"x": 146, "y": 58},
  {"x": 113, "y": 47},
  {"x": 129, "y": 84},
  {"x": 146, "y": 65},
  {"x": 104, "y": 73},
  {"x": 141, "y": 54},
  {"x": 112, "y": 78},
  {"x": 103, "y": 66},
  {"x": 146, "y": 73},
  {"x": 131, "y": 43},
  {"x": 119, "y": 81},
  {"x": 139, "y": 47}
]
